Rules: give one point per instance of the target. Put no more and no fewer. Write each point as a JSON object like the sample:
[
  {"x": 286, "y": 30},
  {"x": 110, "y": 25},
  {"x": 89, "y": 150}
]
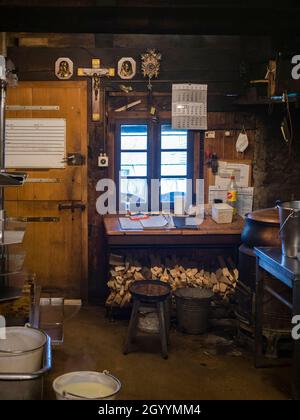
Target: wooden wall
[{"x": 223, "y": 62}]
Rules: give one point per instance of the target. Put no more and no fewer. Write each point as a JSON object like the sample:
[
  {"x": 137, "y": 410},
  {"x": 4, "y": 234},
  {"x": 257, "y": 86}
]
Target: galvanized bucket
[
  {"x": 26, "y": 385},
  {"x": 64, "y": 386},
  {"x": 192, "y": 308},
  {"x": 289, "y": 215}
]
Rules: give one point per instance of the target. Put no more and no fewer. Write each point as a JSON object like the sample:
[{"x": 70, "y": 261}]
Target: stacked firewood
[
  {"x": 121, "y": 278},
  {"x": 221, "y": 281}
]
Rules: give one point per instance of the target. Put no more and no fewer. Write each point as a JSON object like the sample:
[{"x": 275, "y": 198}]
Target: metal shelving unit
[{"x": 11, "y": 230}]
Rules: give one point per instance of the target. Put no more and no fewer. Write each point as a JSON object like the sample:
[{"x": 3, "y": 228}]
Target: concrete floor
[{"x": 199, "y": 367}]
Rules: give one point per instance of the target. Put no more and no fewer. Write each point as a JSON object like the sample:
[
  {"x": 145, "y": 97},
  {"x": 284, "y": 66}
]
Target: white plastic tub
[
  {"x": 22, "y": 350},
  {"x": 26, "y": 386},
  {"x": 86, "y": 385}
]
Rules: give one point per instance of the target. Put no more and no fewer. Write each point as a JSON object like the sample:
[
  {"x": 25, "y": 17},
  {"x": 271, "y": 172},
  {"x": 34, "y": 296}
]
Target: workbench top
[{"x": 208, "y": 227}]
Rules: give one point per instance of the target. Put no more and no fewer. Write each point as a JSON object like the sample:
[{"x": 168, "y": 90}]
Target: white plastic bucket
[
  {"x": 22, "y": 350},
  {"x": 86, "y": 385}
]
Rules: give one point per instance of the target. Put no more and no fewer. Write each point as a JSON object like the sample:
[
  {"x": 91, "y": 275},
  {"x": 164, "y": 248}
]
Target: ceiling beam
[{"x": 150, "y": 20}]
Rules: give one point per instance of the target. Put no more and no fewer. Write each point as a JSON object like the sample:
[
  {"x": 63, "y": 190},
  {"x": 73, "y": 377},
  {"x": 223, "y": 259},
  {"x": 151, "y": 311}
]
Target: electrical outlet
[
  {"x": 103, "y": 160},
  {"x": 210, "y": 135}
]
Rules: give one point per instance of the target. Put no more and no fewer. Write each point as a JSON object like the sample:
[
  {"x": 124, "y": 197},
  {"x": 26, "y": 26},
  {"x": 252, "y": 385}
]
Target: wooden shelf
[{"x": 264, "y": 100}]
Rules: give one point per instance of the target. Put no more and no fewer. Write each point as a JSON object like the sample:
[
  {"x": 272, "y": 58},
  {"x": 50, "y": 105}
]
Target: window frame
[
  {"x": 153, "y": 153},
  {"x": 118, "y": 150},
  {"x": 189, "y": 161}
]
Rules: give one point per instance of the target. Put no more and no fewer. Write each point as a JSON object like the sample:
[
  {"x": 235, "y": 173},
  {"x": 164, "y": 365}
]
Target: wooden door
[{"x": 56, "y": 235}]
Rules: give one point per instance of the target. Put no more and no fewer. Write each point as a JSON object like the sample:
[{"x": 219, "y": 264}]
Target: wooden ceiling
[
  {"x": 150, "y": 3},
  {"x": 215, "y": 17}
]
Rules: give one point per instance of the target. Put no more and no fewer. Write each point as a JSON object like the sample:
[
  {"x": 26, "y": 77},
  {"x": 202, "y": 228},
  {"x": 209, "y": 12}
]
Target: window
[
  {"x": 144, "y": 153},
  {"x": 134, "y": 163},
  {"x": 173, "y": 162}
]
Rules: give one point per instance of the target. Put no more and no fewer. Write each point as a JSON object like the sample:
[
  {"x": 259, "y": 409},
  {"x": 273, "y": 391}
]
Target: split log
[
  {"x": 126, "y": 299},
  {"x": 225, "y": 270},
  {"x": 225, "y": 280},
  {"x": 119, "y": 268},
  {"x": 223, "y": 287},
  {"x": 138, "y": 276},
  {"x": 118, "y": 299},
  {"x": 115, "y": 259},
  {"x": 233, "y": 268},
  {"x": 213, "y": 278},
  {"x": 111, "y": 298}
]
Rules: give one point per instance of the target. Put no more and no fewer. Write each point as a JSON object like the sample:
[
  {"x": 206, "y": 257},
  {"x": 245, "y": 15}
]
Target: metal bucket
[
  {"x": 289, "y": 215},
  {"x": 26, "y": 385},
  {"x": 22, "y": 350},
  {"x": 192, "y": 308},
  {"x": 87, "y": 385}
]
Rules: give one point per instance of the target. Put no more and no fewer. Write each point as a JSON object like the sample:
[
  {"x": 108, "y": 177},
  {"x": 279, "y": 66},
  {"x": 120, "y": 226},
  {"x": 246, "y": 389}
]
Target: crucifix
[{"x": 96, "y": 73}]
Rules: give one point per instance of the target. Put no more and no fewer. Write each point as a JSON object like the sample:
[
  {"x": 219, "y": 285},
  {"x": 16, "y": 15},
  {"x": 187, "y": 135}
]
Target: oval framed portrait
[
  {"x": 126, "y": 68},
  {"x": 64, "y": 68}
]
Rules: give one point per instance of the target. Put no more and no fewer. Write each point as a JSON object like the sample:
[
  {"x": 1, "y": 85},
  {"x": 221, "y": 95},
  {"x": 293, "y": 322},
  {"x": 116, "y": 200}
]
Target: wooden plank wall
[
  {"x": 200, "y": 59},
  {"x": 219, "y": 122}
]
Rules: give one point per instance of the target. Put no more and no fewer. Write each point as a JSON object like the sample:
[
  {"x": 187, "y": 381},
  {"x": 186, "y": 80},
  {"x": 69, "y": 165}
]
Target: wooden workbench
[
  {"x": 208, "y": 241},
  {"x": 208, "y": 234}
]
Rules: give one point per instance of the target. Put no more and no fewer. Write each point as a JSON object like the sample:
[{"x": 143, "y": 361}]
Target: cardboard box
[{"x": 222, "y": 213}]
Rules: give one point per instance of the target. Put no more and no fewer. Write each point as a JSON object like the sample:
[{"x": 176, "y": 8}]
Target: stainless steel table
[{"x": 287, "y": 271}]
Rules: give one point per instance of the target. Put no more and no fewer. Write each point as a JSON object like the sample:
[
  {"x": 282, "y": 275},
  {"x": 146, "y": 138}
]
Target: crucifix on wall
[{"x": 96, "y": 73}]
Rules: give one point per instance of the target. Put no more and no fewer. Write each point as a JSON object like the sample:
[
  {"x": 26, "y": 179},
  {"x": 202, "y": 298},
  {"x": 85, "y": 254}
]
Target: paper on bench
[
  {"x": 226, "y": 169},
  {"x": 154, "y": 222},
  {"x": 128, "y": 224}
]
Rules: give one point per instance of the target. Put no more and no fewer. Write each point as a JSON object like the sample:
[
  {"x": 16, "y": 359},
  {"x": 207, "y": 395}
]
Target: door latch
[
  {"x": 38, "y": 219},
  {"x": 71, "y": 206},
  {"x": 74, "y": 159}
]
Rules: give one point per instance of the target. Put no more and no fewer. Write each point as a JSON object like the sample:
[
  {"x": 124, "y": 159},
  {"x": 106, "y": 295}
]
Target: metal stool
[{"x": 153, "y": 292}]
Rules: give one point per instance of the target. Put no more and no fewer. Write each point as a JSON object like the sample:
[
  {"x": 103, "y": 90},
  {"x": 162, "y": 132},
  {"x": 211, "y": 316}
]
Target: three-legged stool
[{"x": 152, "y": 292}]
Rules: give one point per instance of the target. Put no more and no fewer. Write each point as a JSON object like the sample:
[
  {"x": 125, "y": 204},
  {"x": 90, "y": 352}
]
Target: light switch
[{"x": 210, "y": 135}]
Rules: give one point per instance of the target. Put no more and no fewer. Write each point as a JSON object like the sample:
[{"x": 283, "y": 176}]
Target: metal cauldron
[
  {"x": 261, "y": 228},
  {"x": 289, "y": 214}
]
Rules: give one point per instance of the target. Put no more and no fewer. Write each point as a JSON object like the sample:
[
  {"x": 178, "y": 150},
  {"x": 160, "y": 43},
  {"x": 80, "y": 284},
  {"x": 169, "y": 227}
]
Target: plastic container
[
  {"x": 52, "y": 318},
  {"x": 179, "y": 204},
  {"x": 232, "y": 194},
  {"x": 54, "y": 311},
  {"x": 192, "y": 309},
  {"x": 222, "y": 213},
  {"x": 26, "y": 386},
  {"x": 22, "y": 350},
  {"x": 75, "y": 386}
]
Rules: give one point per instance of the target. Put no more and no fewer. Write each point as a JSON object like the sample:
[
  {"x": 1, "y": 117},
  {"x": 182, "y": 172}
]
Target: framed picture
[
  {"x": 126, "y": 68},
  {"x": 64, "y": 68}
]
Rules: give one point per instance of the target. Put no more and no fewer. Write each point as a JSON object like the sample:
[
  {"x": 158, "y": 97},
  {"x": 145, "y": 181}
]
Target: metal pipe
[
  {"x": 2, "y": 123},
  {"x": 2, "y": 147},
  {"x": 3, "y": 85},
  {"x": 278, "y": 297}
]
